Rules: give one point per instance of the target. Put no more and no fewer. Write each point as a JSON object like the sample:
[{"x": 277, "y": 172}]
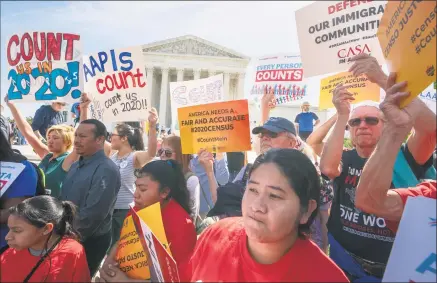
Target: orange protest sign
[
  {"x": 360, "y": 87},
  {"x": 131, "y": 256},
  {"x": 407, "y": 34},
  {"x": 217, "y": 127}
]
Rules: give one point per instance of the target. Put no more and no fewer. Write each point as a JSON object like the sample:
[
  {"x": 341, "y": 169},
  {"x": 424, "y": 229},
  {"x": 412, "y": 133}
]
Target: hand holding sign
[
  {"x": 206, "y": 159},
  {"x": 341, "y": 100},
  {"x": 84, "y": 101},
  {"x": 153, "y": 117},
  {"x": 366, "y": 64}
]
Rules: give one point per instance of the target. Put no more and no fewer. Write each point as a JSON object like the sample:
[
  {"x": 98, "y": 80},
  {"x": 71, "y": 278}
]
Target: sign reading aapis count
[{"x": 44, "y": 66}]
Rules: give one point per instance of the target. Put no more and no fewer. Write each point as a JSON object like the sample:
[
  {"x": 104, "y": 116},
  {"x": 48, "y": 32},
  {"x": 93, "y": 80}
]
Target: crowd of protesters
[{"x": 278, "y": 219}]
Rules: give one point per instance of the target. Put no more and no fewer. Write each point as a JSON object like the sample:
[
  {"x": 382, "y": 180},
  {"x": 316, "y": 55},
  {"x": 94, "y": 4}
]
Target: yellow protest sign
[
  {"x": 131, "y": 256},
  {"x": 360, "y": 87},
  {"x": 407, "y": 35},
  {"x": 217, "y": 127}
]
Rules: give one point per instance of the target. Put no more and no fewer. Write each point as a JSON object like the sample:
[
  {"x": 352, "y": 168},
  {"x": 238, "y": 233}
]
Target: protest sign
[
  {"x": 8, "y": 173},
  {"x": 164, "y": 267},
  {"x": 281, "y": 73},
  {"x": 216, "y": 127},
  {"x": 131, "y": 257},
  {"x": 117, "y": 83},
  {"x": 44, "y": 66},
  {"x": 360, "y": 87},
  {"x": 413, "y": 256},
  {"x": 331, "y": 33},
  {"x": 195, "y": 92},
  {"x": 429, "y": 96},
  {"x": 407, "y": 37}
]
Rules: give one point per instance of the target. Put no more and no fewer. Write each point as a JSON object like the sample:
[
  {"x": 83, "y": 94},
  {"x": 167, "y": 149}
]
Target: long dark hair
[
  {"x": 301, "y": 175},
  {"x": 134, "y": 135},
  {"x": 168, "y": 173},
  {"x": 6, "y": 151},
  {"x": 41, "y": 210}
]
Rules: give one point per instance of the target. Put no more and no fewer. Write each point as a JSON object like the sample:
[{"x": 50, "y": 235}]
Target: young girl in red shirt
[
  {"x": 43, "y": 244},
  {"x": 161, "y": 181}
]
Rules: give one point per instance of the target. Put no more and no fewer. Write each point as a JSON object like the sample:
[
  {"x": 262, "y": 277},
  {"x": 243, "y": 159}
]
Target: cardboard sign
[
  {"x": 8, "y": 173},
  {"x": 164, "y": 267},
  {"x": 360, "y": 87},
  {"x": 407, "y": 36},
  {"x": 44, "y": 66},
  {"x": 332, "y": 32},
  {"x": 117, "y": 83},
  {"x": 131, "y": 256},
  {"x": 217, "y": 127},
  {"x": 195, "y": 92},
  {"x": 282, "y": 73},
  {"x": 413, "y": 256}
]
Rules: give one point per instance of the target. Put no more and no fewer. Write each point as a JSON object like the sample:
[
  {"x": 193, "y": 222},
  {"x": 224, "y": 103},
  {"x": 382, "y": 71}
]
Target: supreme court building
[{"x": 189, "y": 58}]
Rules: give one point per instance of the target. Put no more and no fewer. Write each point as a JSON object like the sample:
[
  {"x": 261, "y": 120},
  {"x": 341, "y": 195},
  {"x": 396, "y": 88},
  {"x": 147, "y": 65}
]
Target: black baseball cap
[{"x": 276, "y": 125}]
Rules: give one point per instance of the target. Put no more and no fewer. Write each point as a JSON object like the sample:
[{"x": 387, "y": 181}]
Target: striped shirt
[{"x": 126, "y": 193}]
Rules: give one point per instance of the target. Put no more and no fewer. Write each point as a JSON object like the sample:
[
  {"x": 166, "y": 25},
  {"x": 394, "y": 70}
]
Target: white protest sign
[
  {"x": 44, "y": 66},
  {"x": 116, "y": 82},
  {"x": 413, "y": 256},
  {"x": 429, "y": 97},
  {"x": 281, "y": 73},
  {"x": 195, "y": 92},
  {"x": 330, "y": 33},
  {"x": 8, "y": 173}
]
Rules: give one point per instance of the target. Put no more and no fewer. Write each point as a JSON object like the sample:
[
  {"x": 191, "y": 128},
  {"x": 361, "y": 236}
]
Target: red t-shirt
[
  {"x": 66, "y": 263},
  {"x": 426, "y": 189},
  {"x": 181, "y": 236},
  {"x": 222, "y": 255}
]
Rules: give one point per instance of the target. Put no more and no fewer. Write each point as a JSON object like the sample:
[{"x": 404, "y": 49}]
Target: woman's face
[
  {"x": 147, "y": 192},
  {"x": 116, "y": 140},
  {"x": 271, "y": 209},
  {"x": 55, "y": 143},
  {"x": 166, "y": 152},
  {"x": 23, "y": 235}
]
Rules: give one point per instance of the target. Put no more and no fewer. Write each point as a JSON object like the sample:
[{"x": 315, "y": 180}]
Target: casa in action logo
[{"x": 352, "y": 51}]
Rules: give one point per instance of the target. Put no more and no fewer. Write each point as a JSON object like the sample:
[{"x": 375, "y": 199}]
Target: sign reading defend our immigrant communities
[
  {"x": 194, "y": 92},
  {"x": 360, "y": 87},
  {"x": 9, "y": 171},
  {"x": 413, "y": 256},
  {"x": 131, "y": 257},
  {"x": 330, "y": 33},
  {"x": 116, "y": 81},
  {"x": 407, "y": 35},
  {"x": 44, "y": 66},
  {"x": 216, "y": 127},
  {"x": 282, "y": 73}
]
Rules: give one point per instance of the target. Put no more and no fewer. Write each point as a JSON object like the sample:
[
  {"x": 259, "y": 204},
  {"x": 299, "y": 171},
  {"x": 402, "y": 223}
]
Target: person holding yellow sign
[{"x": 161, "y": 181}]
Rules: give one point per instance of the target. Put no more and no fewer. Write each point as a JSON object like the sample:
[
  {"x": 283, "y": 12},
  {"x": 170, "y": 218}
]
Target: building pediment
[{"x": 191, "y": 45}]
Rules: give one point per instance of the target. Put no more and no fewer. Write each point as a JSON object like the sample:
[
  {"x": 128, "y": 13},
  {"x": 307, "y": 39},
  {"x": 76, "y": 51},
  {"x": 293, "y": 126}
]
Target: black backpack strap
[{"x": 246, "y": 172}]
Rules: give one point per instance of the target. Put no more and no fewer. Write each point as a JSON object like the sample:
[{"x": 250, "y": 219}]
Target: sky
[{"x": 252, "y": 28}]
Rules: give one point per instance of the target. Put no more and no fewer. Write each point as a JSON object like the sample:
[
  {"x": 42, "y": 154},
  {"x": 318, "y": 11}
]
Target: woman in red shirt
[
  {"x": 161, "y": 181},
  {"x": 43, "y": 244},
  {"x": 269, "y": 243}
]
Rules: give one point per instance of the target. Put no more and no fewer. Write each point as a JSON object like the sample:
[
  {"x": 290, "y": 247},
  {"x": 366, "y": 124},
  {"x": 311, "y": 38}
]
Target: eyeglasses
[
  {"x": 371, "y": 121},
  {"x": 269, "y": 134},
  {"x": 167, "y": 152}
]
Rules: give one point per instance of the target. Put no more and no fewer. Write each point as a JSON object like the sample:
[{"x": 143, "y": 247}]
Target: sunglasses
[
  {"x": 371, "y": 121},
  {"x": 167, "y": 152},
  {"x": 271, "y": 135}
]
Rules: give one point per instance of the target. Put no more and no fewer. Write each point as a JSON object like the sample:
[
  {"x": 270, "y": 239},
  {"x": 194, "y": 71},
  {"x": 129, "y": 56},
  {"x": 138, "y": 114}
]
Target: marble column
[
  {"x": 163, "y": 97},
  {"x": 226, "y": 86},
  {"x": 240, "y": 88},
  {"x": 150, "y": 98},
  {"x": 180, "y": 75},
  {"x": 196, "y": 73}
]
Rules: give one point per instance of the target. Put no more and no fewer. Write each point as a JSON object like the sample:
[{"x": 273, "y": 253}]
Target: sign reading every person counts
[
  {"x": 408, "y": 39},
  {"x": 330, "y": 33},
  {"x": 117, "y": 84},
  {"x": 44, "y": 66},
  {"x": 216, "y": 127},
  {"x": 281, "y": 73},
  {"x": 9, "y": 171}
]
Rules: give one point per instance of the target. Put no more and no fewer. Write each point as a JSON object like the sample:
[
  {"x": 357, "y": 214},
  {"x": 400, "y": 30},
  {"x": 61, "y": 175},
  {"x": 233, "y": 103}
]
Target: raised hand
[
  {"x": 341, "y": 100},
  {"x": 153, "y": 117},
  {"x": 368, "y": 65}
]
